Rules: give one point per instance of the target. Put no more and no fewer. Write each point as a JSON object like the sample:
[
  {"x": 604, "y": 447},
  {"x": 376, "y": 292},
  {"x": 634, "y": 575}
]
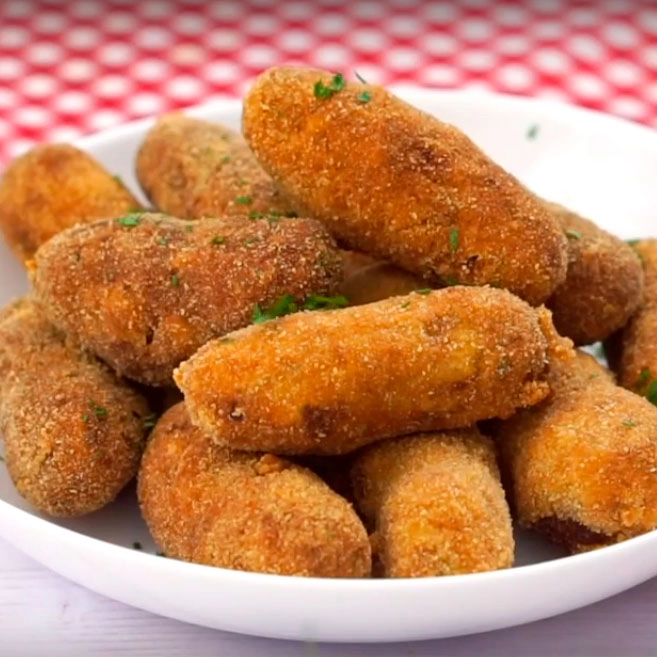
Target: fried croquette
[
  {"x": 51, "y": 188},
  {"x": 378, "y": 281},
  {"x": 191, "y": 168},
  {"x": 330, "y": 382},
  {"x": 73, "y": 432},
  {"x": 632, "y": 352},
  {"x": 400, "y": 185},
  {"x": 603, "y": 286},
  {"x": 582, "y": 464},
  {"x": 144, "y": 292},
  {"x": 256, "y": 512},
  {"x": 436, "y": 503}
]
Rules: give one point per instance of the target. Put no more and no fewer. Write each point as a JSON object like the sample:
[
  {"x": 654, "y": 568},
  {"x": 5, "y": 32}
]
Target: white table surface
[{"x": 43, "y": 614}]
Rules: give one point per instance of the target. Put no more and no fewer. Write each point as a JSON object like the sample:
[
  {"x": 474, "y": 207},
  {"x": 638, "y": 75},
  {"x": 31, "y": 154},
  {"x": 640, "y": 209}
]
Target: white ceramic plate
[{"x": 602, "y": 167}]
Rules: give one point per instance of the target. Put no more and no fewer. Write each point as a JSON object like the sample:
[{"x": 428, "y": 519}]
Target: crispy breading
[
  {"x": 436, "y": 503},
  {"x": 73, "y": 432},
  {"x": 583, "y": 464},
  {"x": 604, "y": 283},
  {"x": 257, "y": 512},
  {"x": 51, "y": 188},
  {"x": 400, "y": 185},
  {"x": 632, "y": 352},
  {"x": 192, "y": 168},
  {"x": 144, "y": 292},
  {"x": 329, "y": 382}
]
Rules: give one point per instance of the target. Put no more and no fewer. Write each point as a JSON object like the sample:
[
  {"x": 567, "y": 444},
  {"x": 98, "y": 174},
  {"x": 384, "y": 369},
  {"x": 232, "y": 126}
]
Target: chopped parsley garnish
[
  {"x": 175, "y": 280},
  {"x": 118, "y": 179},
  {"x": 225, "y": 159},
  {"x": 85, "y": 418},
  {"x": 251, "y": 240},
  {"x": 256, "y": 215},
  {"x": 100, "y": 412},
  {"x": 189, "y": 228},
  {"x": 319, "y": 302},
  {"x": 450, "y": 281},
  {"x": 632, "y": 242},
  {"x": 287, "y": 305},
  {"x": 326, "y": 91},
  {"x": 424, "y": 290},
  {"x": 643, "y": 376},
  {"x": 365, "y": 97},
  {"x": 454, "y": 240},
  {"x": 130, "y": 220},
  {"x": 532, "y": 133},
  {"x": 150, "y": 420},
  {"x": 575, "y": 234},
  {"x": 217, "y": 240},
  {"x": 243, "y": 200},
  {"x": 405, "y": 305},
  {"x": 360, "y": 78},
  {"x": 137, "y": 546},
  {"x": 651, "y": 395},
  {"x": 628, "y": 423},
  {"x": 162, "y": 241}
]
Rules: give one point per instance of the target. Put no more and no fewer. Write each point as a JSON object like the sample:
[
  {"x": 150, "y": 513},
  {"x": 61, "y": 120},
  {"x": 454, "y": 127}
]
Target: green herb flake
[
  {"x": 149, "y": 421},
  {"x": 251, "y": 240},
  {"x": 256, "y": 215},
  {"x": 364, "y": 97},
  {"x": 137, "y": 545},
  {"x": 118, "y": 179},
  {"x": 632, "y": 243},
  {"x": 651, "y": 395},
  {"x": 450, "y": 281},
  {"x": 243, "y": 200},
  {"x": 532, "y": 132},
  {"x": 227, "y": 340},
  {"x": 85, "y": 418},
  {"x": 100, "y": 412},
  {"x": 643, "y": 377},
  {"x": 130, "y": 220},
  {"x": 628, "y": 423},
  {"x": 424, "y": 290},
  {"x": 575, "y": 234},
  {"x": 175, "y": 280},
  {"x": 405, "y": 305},
  {"x": 360, "y": 78},
  {"x": 284, "y": 306},
  {"x": 322, "y": 90},
  {"x": 454, "y": 240},
  {"x": 189, "y": 228},
  {"x": 319, "y": 302},
  {"x": 225, "y": 159},
  {"x": 217, "y": 240},
  {"x": 243, "y": 181},
  {"x": 162, "y": 241}
]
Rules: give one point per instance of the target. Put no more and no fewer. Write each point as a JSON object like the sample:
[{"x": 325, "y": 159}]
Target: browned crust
[
  {"x": 51, "y": 188},
  {"x": 603, "y": 286},
  {"x": 254, "y": 512},
  {"x": 330, "y": 382},
  {"x": 583, "y": 464},
  {"x": 437, "y": 504},
  {"x": 633, "y": 350},
  {"x": 73, "y": 433},
  {"x": 401, "y": 185},
  {"x": 192, "y": 168},
  {"x": 144, "y": 298}
]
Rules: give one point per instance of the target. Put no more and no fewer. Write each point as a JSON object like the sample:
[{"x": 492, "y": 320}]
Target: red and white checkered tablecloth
[{"x": 70, "y": 67}]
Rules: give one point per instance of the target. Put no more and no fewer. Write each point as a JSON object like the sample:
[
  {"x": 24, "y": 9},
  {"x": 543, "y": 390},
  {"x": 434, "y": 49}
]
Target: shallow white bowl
[{"x": 602, "y": 167}]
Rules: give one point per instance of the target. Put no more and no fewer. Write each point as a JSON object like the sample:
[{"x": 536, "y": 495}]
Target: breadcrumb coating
[
  {"x": 329, "y": 382},
  {"x": 256, "y": 512},
  {"x": 603, "y": 286},
  {"x": 583, "y": 464},
  {"x": 400, "y": 185},
  {"x": 436, "y": 503},
  {"x": 191, "y": 168},
  {"x": 144, "y": 292},
  {"x": 51, "y": 188},
  {"x": 73, "y": 432}
]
